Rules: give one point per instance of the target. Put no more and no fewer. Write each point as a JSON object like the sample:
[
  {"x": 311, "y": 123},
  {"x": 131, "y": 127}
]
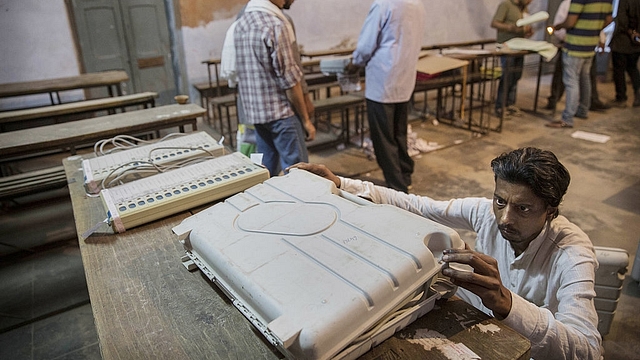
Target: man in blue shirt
[{"x": 388, "y": 47}]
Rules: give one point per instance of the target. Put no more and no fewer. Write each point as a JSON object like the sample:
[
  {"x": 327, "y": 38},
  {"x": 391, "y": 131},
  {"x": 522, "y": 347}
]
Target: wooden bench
[
  {"x": 31, "y": 142},
  {"x": 54, "y": 86},
  {"x": 227, "y": 102},
  {"x": 213, "y": 87},
  {"x": 341, "y": 103},
  {"x": 25, "y": 118},
  {"x": 332, "y": 52},
  {"x": 31, "y": 182},
  {"x": 73, "y": 134}
]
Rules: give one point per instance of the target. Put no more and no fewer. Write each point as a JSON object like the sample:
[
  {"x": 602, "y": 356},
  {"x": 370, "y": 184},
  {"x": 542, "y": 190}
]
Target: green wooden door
[{"x": 132, "y": 35}]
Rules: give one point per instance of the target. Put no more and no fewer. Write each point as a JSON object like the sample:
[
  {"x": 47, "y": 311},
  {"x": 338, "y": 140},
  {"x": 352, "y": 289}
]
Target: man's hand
[
  {"x": 484, "y": 281},
  {"x": 351, "y": 69},
  {"x": 528, "y": 31},
  {"x": 317, "y": 169},
  {"x": 309, "y": 104},
  {"x": 309, "y": 129}
]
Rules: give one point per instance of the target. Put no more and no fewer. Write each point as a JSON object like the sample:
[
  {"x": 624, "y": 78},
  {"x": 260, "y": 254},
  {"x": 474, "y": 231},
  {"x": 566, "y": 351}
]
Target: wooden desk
[
  {"x": 437, "y": 64},
  {"x": 312, "y": 54},
  {"x": 215, "y": 62},
  {"x": 54, "y": 86},
  {"x": 25, "y": 118},
  {"x": 147, "y": 305},
  {"x": 71, "y": 134},
  {"x": 489, "y": 59},
  {"x": 442, "y": 330}
]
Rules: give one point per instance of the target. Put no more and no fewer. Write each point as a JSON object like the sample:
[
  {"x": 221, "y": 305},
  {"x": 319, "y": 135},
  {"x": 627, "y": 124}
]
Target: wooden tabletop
[
  {"x": 214, "y": 61},
  {"x": 78, "y": 132},
  {"x": 312, "y": 54},
  {"x": 76, "y": 107},
  {"x": 148, "y": 306},
  {"x": 82, "y": 81},
  {"x": 451, "y": 328}
]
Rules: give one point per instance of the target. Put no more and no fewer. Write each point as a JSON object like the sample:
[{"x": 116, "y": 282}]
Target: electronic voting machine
[
  {"x": 154, "y": 197},
  {"x": 322, "y": 274},
  {"x": 161, "y": 153}
]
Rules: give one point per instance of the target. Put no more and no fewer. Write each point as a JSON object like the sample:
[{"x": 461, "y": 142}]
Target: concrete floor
[{"x": 44, "y": 309}]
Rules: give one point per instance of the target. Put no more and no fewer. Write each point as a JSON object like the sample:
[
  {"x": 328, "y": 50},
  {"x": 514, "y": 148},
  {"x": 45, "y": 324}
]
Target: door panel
[
  {"x": 132, "y": 35},
  {"x": 100, "y": 34},
  {"x": 147, "y": 33}
]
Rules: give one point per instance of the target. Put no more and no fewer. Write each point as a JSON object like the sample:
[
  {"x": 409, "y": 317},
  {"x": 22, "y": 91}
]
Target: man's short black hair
[{"x": 538, "y": 169}]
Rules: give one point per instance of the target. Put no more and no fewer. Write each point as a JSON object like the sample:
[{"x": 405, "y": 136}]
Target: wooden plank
[
  {"x": 32, "y": 174},
  {"x": 480, "y": 43},
  {"x": 437, "y": 64},
  {"x": 33, "y": 181},
  {"x": 337, "y": 102},
  {"x": 213, "y": 61},
  {"x": 457, "y": 323},
  {"x": 150, "y": 62},
  {"x": 82, "y": 81},
  {"x": 330, "y": 52},
  {"x": 63, "y": 135},
  {"x": 77, "y": 107}
]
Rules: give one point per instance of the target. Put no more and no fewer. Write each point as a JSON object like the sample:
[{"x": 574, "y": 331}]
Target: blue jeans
[
  {"x": 511, "y": 73},
  {"x": 576, "y": 76},
  {"x": 282, "y": 144}
]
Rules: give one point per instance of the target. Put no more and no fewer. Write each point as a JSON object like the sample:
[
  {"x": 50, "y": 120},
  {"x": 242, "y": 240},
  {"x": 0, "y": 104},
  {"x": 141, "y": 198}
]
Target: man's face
[
  {"x": 520, "y": 214},
  {"x": 287, "y": 4}
]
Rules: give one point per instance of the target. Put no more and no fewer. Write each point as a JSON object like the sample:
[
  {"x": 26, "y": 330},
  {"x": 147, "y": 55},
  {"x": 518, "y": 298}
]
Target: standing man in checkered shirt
[{"x": 269, "y": 84}]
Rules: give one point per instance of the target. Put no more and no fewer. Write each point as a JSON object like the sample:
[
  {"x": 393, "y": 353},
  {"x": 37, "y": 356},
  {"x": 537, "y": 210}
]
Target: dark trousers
[
  {"x": 388, "y": 129},
  {"x": 621, "y": 63},
  {"x": 512, "y": 67}
]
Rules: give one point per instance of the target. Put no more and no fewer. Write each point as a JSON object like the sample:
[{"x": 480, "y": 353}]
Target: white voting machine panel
[
  {"x": 163, "y": 152},
  {"x": 154, "y": 197},
  {"x": 321, "y": 273}
]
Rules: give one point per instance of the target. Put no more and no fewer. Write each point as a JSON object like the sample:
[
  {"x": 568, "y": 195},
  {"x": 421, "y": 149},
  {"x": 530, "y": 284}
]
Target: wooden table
[
  {"x": 146, "y": 305},
  {"x": 332, "y": 52},
  {"x": 54, "y": 86},
  {"x": 490, "y": 59},
  {"x": 447, "y": 329},
  {"x": 25, "y": 118},
  {"x": 71, "y": 134},
  {"x": 430, "y": 65}
]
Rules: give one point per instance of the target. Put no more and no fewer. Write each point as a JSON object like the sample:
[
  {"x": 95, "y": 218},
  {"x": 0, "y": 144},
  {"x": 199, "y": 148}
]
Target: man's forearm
[{"x": 296, "y": 97}]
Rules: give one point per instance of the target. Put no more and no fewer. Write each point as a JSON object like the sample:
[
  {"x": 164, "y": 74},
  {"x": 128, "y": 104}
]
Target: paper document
[
  {"x": 539, "y": 16},
  {"x": 599, "y": 138}
]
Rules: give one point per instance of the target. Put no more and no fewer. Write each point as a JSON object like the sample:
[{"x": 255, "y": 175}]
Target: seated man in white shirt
[{"x": 532, "y": 268}]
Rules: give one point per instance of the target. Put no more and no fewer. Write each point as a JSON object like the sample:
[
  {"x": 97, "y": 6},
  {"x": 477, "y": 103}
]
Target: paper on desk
[
  {"x": 433, "y": 64},
  {"x": 465, "y": 51},
  {"x": 256, "y": 158},
  {"x": 546, "y": 49},
  {"x": 534, "y": 18},
  {"x": 430, "y": 339}
]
